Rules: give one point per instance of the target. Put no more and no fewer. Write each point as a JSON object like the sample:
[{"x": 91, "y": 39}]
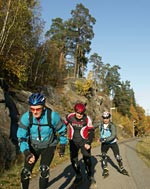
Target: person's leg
[
  {"x": 116, "y": 152},
  {"x": 26, "y": 173},
  {"x": 87, "y": 160},
  {"x": 47, "y": 156},
  {"x": 104, "y": 150},
  {"x": 74, "y": 149},
  {"x": 88, "y": 164},
  {"x": 115, "y": 149}
]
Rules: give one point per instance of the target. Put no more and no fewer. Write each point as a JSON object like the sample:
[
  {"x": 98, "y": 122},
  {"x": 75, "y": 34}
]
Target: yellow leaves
[
  {"x": 134, "y": 113},
  {"x": 83, "y": 86},
  {"x": 16, "y": 69}
]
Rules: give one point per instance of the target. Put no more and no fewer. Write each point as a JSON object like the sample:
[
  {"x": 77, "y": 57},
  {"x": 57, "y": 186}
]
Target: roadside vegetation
[{"x": 143, "y": 150}]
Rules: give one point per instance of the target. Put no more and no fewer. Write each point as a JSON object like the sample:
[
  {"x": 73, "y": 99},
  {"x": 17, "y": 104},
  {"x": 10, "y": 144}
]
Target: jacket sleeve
[
  {"x": 91, "y": 131},
  {"x": 22, "y": 133},
  {"x": 113, "y": 133},
  {"x": 91, "y": 135},
  {"x": 60, "y": 127}
]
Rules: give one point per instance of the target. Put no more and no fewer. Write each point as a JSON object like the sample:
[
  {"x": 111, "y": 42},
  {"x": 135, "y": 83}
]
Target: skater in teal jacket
[{"x": 39, "y": 131}]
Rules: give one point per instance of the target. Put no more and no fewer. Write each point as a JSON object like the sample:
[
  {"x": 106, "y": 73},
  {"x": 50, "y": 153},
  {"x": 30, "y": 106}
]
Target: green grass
[{"x": 143, "y": 150}]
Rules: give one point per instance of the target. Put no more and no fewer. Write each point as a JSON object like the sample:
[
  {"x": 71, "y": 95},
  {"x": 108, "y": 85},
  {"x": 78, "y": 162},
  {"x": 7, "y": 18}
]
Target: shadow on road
[{"x": 69, "y": 174}]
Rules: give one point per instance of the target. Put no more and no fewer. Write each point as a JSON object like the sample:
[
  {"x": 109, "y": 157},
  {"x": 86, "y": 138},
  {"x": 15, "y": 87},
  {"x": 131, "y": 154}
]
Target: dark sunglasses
[
  {"x": 105, "y": 117},
  {"x": 36, "y": 109},
  {"x": 81, "y": 113}
]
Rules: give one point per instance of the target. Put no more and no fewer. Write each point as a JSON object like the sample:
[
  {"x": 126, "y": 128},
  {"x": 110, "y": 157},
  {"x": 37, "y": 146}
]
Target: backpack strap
[
  {"x": 49, "y": 119},
  {"x": 49, "y": 113},
  {"x": 30, "y": 119}
]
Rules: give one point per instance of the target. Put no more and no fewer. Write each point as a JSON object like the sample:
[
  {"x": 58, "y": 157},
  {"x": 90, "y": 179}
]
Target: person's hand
[
  {"x": 102, "y": 140},
  {"x": 87, "y": 146},
  {"x": 31, "y": 159},
  {"x": 62, "y": 150}
]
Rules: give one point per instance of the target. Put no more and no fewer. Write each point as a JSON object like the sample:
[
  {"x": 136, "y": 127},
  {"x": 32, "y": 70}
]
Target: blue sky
[{"x": 122, "y": 37}]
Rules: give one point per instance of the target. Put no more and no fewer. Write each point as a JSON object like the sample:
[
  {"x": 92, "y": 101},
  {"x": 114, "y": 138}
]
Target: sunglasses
[
  {"x": 36, "y": 109},
  {"x": 81, "y": 113},
  {"x": 105, "y": 117}
]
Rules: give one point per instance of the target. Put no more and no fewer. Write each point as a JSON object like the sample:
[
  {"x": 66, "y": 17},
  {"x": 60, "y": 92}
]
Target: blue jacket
[{"x": 29, "y": 134}]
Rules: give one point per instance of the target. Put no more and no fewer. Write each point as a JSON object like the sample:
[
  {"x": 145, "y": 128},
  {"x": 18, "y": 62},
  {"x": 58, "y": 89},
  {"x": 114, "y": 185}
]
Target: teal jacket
[{"x": 50, "y": 136}]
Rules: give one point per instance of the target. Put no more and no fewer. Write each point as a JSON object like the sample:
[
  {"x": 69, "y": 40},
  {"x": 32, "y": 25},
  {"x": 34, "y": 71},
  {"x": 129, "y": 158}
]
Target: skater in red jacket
[{"x": 80, "y": 133}]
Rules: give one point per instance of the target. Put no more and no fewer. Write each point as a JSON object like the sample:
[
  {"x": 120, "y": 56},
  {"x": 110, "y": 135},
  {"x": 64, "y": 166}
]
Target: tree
[
  {"x": 97, "y": 68},
  {"x": 112, "y": 79},
  {"x": 122, "y": 98},
  {"x": 58, "y": 34},
  {"x": 18, "y": 38},
  {"x": 81, "y": 27}
]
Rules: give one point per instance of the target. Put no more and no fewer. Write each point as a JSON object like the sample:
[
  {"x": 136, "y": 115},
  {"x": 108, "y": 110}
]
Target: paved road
[{"x": 62, "y": 176}]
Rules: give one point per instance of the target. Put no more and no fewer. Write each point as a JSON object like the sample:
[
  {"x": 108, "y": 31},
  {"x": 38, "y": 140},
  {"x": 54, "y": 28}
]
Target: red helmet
[{"x": 79, "y": 107}]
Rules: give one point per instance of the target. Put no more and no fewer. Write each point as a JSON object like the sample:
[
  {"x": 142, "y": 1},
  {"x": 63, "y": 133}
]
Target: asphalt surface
[{"x": 62, "y": 176}]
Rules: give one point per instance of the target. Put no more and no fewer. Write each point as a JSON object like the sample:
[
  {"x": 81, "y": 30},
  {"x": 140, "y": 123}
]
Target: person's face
[
  {"x": 36, "y": 110},
  {"x": 79, "y": 115},
  {"x": 106, "y": 120}
]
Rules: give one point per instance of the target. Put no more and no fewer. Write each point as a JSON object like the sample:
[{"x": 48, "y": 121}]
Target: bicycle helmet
[
  {"x": 37, "y": 99},
  {"x": 79, "y": 107},
  {"x": 106, "y": 115}
]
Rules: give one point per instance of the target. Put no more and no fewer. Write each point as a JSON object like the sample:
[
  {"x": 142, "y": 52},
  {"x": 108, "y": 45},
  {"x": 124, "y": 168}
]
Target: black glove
[
  {"x": 103, "y": 140},
  {"x": 28, "y": 155},
  {"x": 62, "y": 150}
]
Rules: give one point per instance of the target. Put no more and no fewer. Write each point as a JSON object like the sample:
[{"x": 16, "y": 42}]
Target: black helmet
[{"x": 37, "y": 99}]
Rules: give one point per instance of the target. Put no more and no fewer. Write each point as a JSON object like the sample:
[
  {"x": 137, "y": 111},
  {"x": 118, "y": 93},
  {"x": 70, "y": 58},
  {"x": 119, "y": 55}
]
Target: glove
[
  {"x": 62, "y": 150},
  {"x": 102, "y": 140}
]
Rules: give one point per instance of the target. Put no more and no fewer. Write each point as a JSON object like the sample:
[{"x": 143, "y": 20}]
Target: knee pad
[
  {"x": 104, "y": 156},
  {"x": 118, "y": 158},
  {"x": 25, "y": 174},
  {"x": 74, "y": 162},
  {"x": 75, "y": 165},
  {"x": 104, "y": 160},
  {"x": 44, "y": 170}
]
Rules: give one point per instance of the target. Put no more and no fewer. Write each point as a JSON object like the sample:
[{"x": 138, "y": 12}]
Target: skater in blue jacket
[{"x": 37, "y": 137}]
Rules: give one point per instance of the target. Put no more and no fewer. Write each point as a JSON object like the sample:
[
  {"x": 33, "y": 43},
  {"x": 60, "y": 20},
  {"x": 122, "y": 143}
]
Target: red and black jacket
[{"x": 80, "y": 128}]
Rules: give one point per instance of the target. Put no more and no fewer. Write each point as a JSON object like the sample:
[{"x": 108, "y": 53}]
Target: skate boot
[
  {"x": 105, "y": 172},
  {"x": 92, "y": 182},
  {"x": 124, "y": 171},
  {"x": 78, "y": 180}
]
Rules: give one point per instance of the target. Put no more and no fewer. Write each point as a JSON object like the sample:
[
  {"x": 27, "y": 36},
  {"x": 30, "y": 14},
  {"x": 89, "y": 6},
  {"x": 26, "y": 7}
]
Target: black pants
[
  {"x": 46, "y": 155},
  {"x": 74, "y": 150},
  {"x": 104, "y": 149},
  {"x": 114, "y": 146}
]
